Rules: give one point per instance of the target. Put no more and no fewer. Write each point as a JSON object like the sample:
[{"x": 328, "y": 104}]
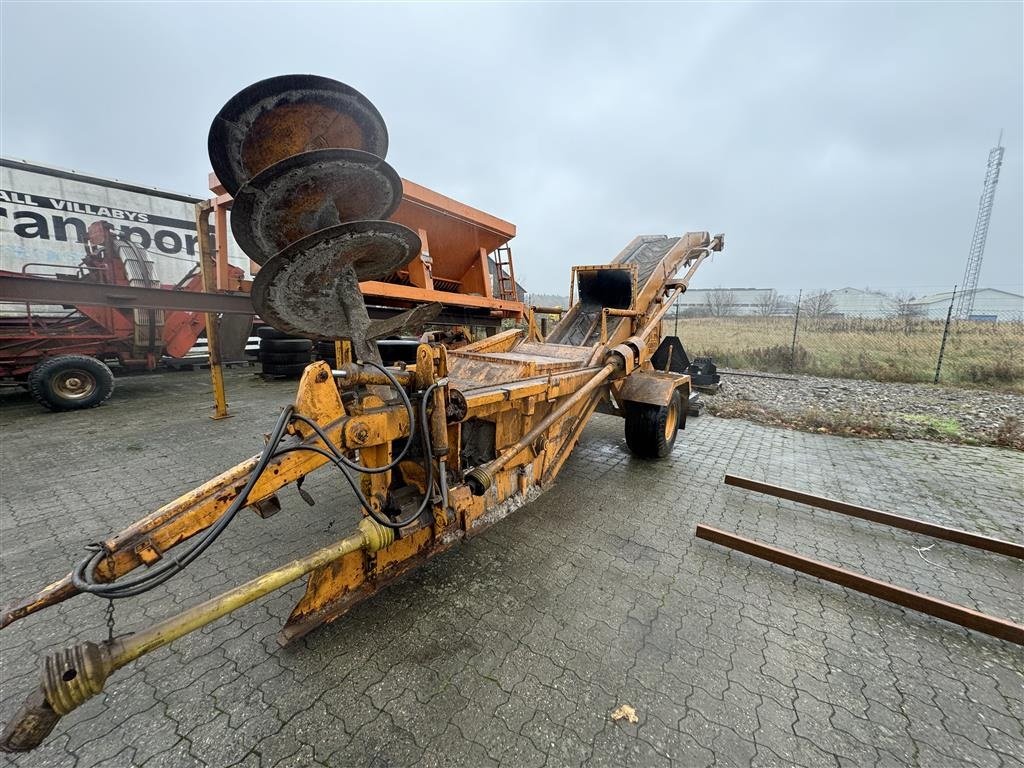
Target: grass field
[{"x": 980, "y": 354}]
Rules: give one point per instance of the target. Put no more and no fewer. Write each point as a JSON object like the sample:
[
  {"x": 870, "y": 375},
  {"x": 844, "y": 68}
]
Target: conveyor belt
[{"x": 581, "y": 326}]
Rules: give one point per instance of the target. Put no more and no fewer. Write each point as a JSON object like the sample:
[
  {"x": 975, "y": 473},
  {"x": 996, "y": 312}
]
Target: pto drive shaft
[{"x": 72, "y": 676}]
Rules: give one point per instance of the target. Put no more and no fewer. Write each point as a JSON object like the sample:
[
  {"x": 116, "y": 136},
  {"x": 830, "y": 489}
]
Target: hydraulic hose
[
  {"x": 72, "y": 676},
  {"x": 341, "y": 462},
  {"x": 82, "y": 576},
  {"x": 396, "y": 385}
]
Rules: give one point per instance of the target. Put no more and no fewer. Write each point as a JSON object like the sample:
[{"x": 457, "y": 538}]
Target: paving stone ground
[{"x": 514, "y": 648}]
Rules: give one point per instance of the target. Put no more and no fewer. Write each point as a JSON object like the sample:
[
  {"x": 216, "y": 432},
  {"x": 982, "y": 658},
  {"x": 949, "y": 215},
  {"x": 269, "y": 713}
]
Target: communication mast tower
[{"x": 965, "y": 302}]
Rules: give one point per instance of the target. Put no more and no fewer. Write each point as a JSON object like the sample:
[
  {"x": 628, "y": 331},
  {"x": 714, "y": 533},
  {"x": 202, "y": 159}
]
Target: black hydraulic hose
[
  {"x": 412, "y": 427},
  {"x": 341, "y": 462},
  {"x": 82, "y": 575}
]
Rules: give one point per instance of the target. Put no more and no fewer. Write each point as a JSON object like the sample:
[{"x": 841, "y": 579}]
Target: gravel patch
[{"x": 871, "y": 408}]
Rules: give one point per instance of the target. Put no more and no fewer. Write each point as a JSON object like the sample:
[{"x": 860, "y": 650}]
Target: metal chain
[{"x": 110, "y": 620}]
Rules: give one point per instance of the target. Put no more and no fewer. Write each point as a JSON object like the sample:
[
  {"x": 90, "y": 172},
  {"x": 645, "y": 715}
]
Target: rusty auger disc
[
  {"x": 311, "y": 288},
  {"x": 283, "y": 116},
  {"x": 310, "y": 192}
]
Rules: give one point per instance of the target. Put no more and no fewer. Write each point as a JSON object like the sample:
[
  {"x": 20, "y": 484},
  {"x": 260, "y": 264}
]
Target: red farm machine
[{"x": 61, "y": 352}]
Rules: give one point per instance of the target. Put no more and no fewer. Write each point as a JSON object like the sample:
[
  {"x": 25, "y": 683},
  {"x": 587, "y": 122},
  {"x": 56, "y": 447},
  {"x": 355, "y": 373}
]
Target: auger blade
[
  {"x": 308, "y": 192},
  {"x": 286, "y": 115},
  {"x": 311, "y": 288},
  {"x": 411, "y": 321}
]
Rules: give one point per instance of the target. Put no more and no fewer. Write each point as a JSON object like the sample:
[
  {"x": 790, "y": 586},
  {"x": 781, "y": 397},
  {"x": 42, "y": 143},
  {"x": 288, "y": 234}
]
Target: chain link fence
[{"x": 855, "y": 334}]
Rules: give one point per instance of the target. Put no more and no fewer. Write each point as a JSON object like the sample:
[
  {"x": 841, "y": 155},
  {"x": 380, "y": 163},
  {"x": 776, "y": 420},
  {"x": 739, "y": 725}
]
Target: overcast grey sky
[{"x": 833, "y": 144}]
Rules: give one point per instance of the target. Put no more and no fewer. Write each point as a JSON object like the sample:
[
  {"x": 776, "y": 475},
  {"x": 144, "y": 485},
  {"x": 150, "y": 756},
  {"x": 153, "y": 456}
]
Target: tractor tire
[
  {"x": 325, "y": 352},
  {"x": 291, "y": 371},
  {"x": 284, "y": 358},
  {"x": 71, "y": 382},
  {"x": 291, "y": 346},
  {"x": 266, "y": 332},
  {"x": 651, "y": 429}
]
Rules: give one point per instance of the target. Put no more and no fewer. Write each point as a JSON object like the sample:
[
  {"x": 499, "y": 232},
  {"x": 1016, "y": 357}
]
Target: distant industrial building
[
  {"x": 990, "y": 304},
  {"x": 743, "y": 301},
  {"x": 854, "y": 302}
]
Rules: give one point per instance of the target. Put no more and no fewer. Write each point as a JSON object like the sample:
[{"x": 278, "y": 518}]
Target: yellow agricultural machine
[{"x": 434, "y": 452}]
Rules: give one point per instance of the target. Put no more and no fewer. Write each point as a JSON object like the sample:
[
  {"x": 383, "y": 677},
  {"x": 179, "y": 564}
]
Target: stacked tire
[
  {"x": 392, "y": 351},
  {"x": 325, "y": 351},
  {"x": 283, "y": 355}
]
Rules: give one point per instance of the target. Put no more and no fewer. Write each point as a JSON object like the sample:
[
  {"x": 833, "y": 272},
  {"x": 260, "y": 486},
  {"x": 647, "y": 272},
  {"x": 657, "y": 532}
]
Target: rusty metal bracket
[
  {"x": 999, "y": 546},
  {"x": 147, "y": 551},
  {"x": 940, "y": 609}
]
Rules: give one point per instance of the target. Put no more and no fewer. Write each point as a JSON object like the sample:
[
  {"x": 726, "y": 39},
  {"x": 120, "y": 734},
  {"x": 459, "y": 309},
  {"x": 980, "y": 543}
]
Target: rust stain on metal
[
  {"x": 285, "y": 115},
  {"x": 311, "y": 288},
  {"x": 308, "y": 192},
  {"x": 999, "y": 546},
  {"x": 956, "y": 614},
  {"x": 653, "y": 387}
]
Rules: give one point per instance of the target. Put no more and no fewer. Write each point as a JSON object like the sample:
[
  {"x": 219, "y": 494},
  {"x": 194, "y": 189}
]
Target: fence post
[
  {"x": 796, "y": 323},
  {"x": 945, "y": 335},
  {"x": 675, "y": 332}
]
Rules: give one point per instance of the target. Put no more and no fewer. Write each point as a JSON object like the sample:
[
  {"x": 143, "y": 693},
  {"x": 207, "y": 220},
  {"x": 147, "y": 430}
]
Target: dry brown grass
[
  {"x": 980, "y": 354},
  {"x": 1010, "y": 433},
  {"x": 809, "y": 419}
]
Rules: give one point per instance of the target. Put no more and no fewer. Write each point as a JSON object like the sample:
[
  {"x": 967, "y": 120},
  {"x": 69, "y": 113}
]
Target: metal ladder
[{"x": 504, "y": 274}]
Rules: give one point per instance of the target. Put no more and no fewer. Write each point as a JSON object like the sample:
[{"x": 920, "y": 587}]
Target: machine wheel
[
  {"x": 284, "y": 358},
  {"x": 291, "y": 370},
  {"x": 651, "y": 429},
  {"x": 286, "y": 345},
  {"x": 71, "y": 382},
  {"x": 266, "y": 332},
  {"x": 325, "y": 352}
]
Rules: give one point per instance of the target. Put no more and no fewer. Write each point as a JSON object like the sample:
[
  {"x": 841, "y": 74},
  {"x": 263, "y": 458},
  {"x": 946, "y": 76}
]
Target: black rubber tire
[
  {"x": 286, "y": 345},
  {"x": 647, "y": 427},
  {"x": 325, "y": 352},
  {"x": 71, "y": 382},
  {"x": 291, "y": 371},
  {"x": 266, "y": 332},
  {"x": 284, "y": 358}
]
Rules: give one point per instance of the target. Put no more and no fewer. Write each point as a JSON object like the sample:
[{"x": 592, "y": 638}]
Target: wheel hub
[
  {"x": 671, "y": 421},
  {"x": 75, "y": 384}
]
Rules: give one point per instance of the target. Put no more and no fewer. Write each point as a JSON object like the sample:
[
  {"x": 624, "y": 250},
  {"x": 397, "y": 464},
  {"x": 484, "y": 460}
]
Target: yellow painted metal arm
[
  {"x": 145, "y": 541},
  {"x": 175, "y": 522},
  {"x": 74, "y": 675}
]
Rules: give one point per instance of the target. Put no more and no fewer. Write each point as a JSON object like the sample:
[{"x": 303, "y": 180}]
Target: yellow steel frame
[{"x": 537, "y": 402}]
